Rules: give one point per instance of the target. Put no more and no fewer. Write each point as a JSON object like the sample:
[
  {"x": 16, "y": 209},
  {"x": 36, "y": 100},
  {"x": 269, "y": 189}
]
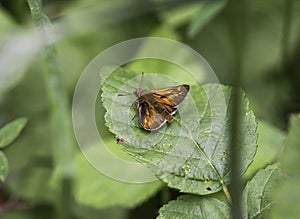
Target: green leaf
[
  {"x": 31, "y": 163},
  {"x": 192, "y": 152},
  {"x": 270, "y": 147},
  {"x": 11, "y": 131},
  {"x": 3, "y": 166},
  {"x": 256, "y": 198},
  {"x": 94, "y": 189},
  {"x": 292, "y": 156},
  {"x": 192, "y": 206},
  {"x": 287, "y": 193},
  {"x": 83, "y": 212},
  {"x": 161, "y": 65},
  {"x": 208, "y": 10},
  {"x": 32, "y": 182},
  {"x": 174, "y": 17}
]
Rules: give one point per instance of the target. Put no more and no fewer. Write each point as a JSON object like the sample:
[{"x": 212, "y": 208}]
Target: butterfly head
[{"x": 137, "y": 92}]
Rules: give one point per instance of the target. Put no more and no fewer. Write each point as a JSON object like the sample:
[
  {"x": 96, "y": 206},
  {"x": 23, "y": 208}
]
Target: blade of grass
[{"x": 59, "y": 110}]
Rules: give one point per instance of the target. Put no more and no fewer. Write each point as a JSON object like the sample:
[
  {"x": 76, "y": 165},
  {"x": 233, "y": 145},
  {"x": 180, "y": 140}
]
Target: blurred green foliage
[
  {"x": 85, "y": 28},
  {"x": 8, "y": 134}
]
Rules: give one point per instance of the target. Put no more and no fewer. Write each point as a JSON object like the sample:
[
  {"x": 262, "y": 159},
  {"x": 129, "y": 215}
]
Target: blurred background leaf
[
  {"x": 271, "y": 144},
  {"x": 3, "y": 166},
  {"x": 10, "y": 131},
  {"x": 287, "y": 193},
  {"x": 205, "y": 13},
  {"x": 109, "y": 192},
  {"x": 8, "y": 134}
]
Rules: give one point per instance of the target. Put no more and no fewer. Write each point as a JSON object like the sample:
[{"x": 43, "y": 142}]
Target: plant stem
[
  {"x": 236, "y": 13},
  {"x": 60, "y": 115},
  {"x": 226, "y": 192},
  {"x": 165, "y": 195}
]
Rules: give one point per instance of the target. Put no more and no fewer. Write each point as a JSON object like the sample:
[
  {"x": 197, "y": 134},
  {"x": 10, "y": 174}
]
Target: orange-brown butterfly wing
[
  {"x": 157, "y": 106},
  {"x": 171, "y": 96},
  {"x": 149, "y": 117}
]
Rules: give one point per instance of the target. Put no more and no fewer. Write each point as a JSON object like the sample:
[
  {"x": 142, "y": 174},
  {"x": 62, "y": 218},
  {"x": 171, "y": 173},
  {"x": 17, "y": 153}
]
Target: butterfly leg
[{"x": 169, "y": 118}]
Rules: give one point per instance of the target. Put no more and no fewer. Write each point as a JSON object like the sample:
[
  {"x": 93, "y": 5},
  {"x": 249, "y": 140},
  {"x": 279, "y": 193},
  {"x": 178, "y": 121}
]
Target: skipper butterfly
[{"x": 156, "y": 107}]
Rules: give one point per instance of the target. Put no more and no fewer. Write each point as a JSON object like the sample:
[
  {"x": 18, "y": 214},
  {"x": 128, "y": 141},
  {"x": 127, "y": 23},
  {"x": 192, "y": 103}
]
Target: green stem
[
  {"x": 165, "y": 195},
  {"x": 236, "y": 13},
  {"x": 60, "y": 115},
  {"x": 226, "y": 192}
]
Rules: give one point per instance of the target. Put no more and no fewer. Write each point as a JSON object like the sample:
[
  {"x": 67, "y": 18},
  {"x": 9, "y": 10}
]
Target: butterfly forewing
[{"x": 157, "y": 106}]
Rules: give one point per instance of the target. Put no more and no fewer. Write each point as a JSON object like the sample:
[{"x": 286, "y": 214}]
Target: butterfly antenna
[{"x": 141, "y": 80}]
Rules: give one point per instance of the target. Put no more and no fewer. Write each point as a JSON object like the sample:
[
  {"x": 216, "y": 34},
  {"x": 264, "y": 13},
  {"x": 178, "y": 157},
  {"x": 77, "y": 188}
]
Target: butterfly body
[{"x": 158, "y": 106}]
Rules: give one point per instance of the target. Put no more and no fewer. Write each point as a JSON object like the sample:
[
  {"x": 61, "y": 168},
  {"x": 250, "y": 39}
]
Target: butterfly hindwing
[{"x": 150, "y": 119}]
